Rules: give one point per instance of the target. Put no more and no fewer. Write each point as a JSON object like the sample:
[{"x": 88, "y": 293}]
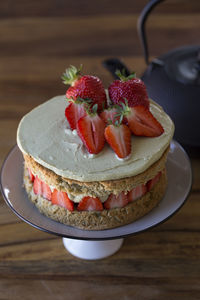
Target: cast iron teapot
[{"x": 173, "y": 81}]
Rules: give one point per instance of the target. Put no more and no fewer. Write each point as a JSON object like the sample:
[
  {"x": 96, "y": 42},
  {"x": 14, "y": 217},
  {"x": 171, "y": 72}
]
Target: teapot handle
[
  {"x": 113, "y": 64},
  {"x": 141, "y": 26}
]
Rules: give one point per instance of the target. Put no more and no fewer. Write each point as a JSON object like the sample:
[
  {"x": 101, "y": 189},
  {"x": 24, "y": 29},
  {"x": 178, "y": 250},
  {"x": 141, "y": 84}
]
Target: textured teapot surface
[{"x": 172, "y": 80}]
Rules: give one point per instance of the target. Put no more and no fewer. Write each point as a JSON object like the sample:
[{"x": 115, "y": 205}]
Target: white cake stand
[{"x": 97, "y": 244}]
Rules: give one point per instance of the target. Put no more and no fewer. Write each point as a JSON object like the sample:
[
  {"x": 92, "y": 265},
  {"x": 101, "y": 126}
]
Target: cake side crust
[
  {"x": 99, "y": 220},
  {"x": 97, "y": 188}
]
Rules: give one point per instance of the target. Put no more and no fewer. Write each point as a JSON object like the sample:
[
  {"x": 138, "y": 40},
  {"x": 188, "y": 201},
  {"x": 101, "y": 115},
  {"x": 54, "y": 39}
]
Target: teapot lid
[{"x": 183, "y": 64}]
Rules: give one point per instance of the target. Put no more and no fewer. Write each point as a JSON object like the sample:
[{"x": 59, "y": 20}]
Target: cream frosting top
[{"x": 44, "y": 134}]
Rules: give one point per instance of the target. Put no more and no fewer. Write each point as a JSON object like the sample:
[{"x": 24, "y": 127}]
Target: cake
[{"x": 96, "y": 159}]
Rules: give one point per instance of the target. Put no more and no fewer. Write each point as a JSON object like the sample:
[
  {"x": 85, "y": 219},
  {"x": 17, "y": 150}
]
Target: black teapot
[{"x": 173, "y": 81}]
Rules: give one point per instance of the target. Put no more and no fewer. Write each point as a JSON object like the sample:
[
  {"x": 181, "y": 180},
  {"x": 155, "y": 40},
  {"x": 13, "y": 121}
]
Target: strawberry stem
[
  {"x": 94, "y": 108},
  {"x": 116, "y": 121},
  {"x": 122, "y": 75},
  {"x": 87, "y": 101},
  {"x": 91, "y": 110},
  {"x": 71, "y": 74},
  {"x": 123, "y": 109}
]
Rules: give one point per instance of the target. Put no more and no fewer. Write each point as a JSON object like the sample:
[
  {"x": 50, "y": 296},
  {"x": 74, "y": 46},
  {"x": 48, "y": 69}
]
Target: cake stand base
[{"x": 92, "y": 250}]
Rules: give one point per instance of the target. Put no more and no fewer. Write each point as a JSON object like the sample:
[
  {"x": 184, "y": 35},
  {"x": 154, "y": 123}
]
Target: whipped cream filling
[
  {"x": 79, "y": 197},
  {"x": 44, "y": 134}
]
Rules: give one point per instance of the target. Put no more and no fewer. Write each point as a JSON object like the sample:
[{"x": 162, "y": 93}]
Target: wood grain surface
[{"x": 38, "y": 40}]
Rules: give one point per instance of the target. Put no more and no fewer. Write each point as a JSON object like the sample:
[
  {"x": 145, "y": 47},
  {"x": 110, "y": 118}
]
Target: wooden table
[{"x": 39, "y": 39}]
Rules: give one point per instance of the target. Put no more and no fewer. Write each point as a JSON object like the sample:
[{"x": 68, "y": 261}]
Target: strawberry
[
  {"x": 73, "y": 112},
  {"x": 31, "y": 176},
  {"x": 37, "y": 186},
  {"x": 41, "y": 188},
  {"x": 90, "y": 129},
  {"x": 141, "y": 121},
  {"x": 86, "y": 86},
  {"x": 118, "y": 136},
  {"x": 46, "y": 191},
  {"x": 89, "y": 204},
  {"x": 62, "y": 199},
  {"x": 152, "y": 182},
  {"x": 109, "y": 114},
  {"x": 131, "y": 88},
  {"x": 114, "y": 201},
  {"x": 137, "y": 192}
]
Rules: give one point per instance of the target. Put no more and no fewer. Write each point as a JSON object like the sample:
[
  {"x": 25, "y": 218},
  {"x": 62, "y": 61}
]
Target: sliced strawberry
[
  {"x": 46, "y": 191},
  {"x": 151, "y": 183},
  {"x": 109, "y": 114},
  {"x": 37, "y": 186},
  {"x": 62, "y": 199},
  {"x": 119, "y": 138},
  {"x": 73, "y": 113},
  {"x": 114, "y": 201},
  {"x": 91, "y": 131},
  {"x": 137, "y": 192},
  {"x": 89, "y": 204},
  {"x": 41, "y": 188},
  {"x": 31, "y": 176},
  {"x": 142, "y": 122}
]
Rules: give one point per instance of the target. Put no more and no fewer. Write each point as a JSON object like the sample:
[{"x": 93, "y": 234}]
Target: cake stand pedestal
[
  {"x": 92, "y": 250},
  {"x": 97, "y": 244}
]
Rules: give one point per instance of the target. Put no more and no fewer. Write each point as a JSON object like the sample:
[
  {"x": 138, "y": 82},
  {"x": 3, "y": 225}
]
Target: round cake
[{"x": 75, "y": 184}]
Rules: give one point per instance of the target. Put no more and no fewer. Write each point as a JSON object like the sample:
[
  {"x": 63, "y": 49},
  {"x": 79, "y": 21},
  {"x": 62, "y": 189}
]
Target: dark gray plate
[{"x": 179, "y": 185}]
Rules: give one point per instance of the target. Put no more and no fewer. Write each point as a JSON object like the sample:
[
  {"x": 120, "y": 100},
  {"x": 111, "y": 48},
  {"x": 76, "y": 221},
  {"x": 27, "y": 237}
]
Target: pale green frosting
[{"x": 44, "y": 134}]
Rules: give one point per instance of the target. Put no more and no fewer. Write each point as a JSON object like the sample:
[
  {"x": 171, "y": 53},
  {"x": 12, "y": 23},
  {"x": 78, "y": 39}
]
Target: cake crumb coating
[{"x": 99, "y": 220}]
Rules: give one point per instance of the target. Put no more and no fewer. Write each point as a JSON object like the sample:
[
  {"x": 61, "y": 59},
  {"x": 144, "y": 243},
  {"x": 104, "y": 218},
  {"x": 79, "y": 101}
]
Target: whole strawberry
[
  {"x": 131, "y": 88},
  {"x": 86, "y": 86}
]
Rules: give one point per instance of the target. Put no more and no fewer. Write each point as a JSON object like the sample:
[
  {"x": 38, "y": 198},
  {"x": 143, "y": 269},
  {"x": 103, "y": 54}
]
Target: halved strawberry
[
  {"x": 119, "y": 138},
  {"x": 73, "y": 112},
  {"x": 151, "y": 183},
  {"x": 109, "y": 114},
  {"x": 46, "y": 191},
  {"x": 89, "y": 204},
  {"x": 142, "y": 122},
  {"x": 41, "y": 188},
  {"x": 37, "y": 186},
  {"x": 114, "y": 201},
  {"x": 62, "y": 199},
  {"x": 137, "y": 192},
  {"x": 91, "y": 131},
  {"x": 31, "y": 176}
]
